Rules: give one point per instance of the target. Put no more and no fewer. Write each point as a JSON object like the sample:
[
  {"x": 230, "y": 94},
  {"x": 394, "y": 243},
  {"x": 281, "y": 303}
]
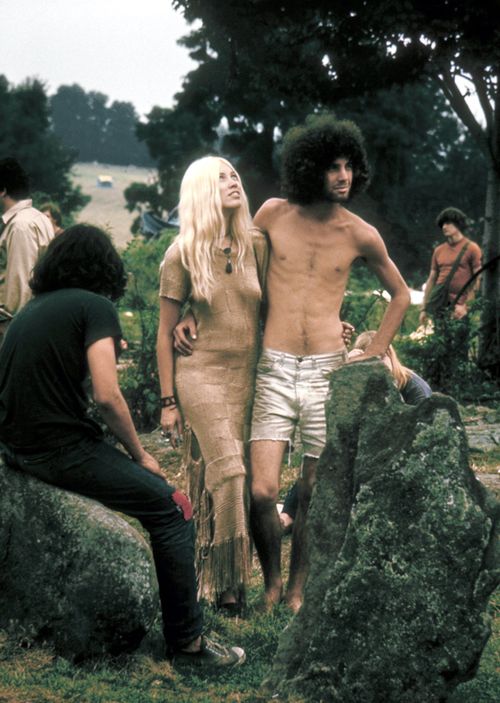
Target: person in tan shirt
[
  {"x": 25, "y": 236},
  {"x": 453, "y": 223},
  {"x": 314, "y": 241}
]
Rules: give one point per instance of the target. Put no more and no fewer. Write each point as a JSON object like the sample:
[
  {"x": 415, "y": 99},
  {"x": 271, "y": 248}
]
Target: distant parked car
[{"x": 104, "y": 181}]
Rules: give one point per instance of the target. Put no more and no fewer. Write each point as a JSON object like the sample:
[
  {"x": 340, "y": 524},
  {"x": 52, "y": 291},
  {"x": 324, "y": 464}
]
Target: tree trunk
[{"x": 489, "y": 341}]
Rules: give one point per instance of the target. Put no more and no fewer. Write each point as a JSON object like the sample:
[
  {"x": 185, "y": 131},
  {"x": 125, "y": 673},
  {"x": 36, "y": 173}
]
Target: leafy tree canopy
[
  {"x": 27, "y": 136},
  {"x": 95, "y": 130}
]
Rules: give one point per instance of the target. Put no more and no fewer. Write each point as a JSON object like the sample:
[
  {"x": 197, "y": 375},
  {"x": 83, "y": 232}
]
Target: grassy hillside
[{"x": 107, "y": 207}]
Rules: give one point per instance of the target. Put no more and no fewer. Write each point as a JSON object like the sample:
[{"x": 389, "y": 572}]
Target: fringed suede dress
[{"x": 215, "y": 387}]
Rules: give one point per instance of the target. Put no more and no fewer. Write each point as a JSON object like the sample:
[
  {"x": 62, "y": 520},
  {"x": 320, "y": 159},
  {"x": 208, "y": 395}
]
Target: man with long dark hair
[
  {"x": 71, "y": 328},
  {"x": 453, "y": 264},
  {"x": 314, "y": 241}
]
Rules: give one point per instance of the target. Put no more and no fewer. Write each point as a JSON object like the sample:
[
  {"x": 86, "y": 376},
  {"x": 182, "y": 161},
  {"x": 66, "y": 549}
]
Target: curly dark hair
[
  {"x": 453, "y": 216},
  {"x": 14, "y": 179},
  {"x": 309, "y": 152},
  {"x": 81, "y": 257}
]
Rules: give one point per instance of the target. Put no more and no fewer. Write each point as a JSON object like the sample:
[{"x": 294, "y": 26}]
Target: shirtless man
[{"x": 314, "y": 241}]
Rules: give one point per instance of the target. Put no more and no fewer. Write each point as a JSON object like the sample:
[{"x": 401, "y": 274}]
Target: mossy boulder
[
  {"x": 404, "y": 554},
  {"x": 72, "y": 573}
]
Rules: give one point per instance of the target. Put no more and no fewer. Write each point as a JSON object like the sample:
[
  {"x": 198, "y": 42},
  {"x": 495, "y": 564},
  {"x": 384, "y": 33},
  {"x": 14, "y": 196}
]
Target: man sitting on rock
[{"x": 69, "y": 329}]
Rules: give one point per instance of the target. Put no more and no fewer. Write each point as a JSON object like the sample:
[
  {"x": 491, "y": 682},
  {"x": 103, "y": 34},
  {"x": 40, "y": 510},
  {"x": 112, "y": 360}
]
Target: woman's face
[{"x": 229, "y": 187}]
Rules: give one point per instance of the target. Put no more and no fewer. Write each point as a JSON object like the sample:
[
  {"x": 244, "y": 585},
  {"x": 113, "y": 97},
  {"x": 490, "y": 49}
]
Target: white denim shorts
[{"x": 290, "y": 394}]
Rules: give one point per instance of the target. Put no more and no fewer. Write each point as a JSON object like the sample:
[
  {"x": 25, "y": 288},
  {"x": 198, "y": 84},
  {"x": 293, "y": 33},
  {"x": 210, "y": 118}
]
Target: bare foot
[
  {"x": 272, "y": 597},
  {"x": 294, "y": 602}
]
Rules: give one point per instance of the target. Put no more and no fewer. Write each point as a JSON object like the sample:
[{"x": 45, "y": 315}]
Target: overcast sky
[{"x": 124, "y": 48}]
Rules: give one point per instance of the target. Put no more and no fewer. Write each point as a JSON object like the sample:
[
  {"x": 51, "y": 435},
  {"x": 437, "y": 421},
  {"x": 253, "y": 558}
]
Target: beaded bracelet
[{"x": 168, "y": 401}]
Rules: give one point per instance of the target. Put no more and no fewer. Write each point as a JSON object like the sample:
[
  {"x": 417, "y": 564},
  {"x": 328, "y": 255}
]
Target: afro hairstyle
[{"x": 309, "y": 152}]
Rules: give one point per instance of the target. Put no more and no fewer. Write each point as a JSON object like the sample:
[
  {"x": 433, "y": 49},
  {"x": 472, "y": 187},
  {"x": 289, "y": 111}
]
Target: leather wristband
[{"x": 168, "y": 401}]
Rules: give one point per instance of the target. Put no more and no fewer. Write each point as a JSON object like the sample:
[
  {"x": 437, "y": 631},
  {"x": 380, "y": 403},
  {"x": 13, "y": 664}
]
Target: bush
[
  {"x": 447, "y": 359},
  {"x": 139, "y": 376},
  {"x": 142, "y": 260},
  {"x": 139, "y": 315}
]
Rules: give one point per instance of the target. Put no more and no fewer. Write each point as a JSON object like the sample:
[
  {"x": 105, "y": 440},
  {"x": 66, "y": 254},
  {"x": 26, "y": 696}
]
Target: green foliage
[
  {"x": 96, "y": 131},
  {"x": 27, "y": 136},
  {"x": 175, "y": 138},
  {"x": 143, "y": 196},
  {"x": 364, "y": 310},
  {"x": 421, "y": 159},
  {"x": 139, "y": 376},
  {"x": 142, "y": 261},
  {"x": 139, "y": 315},
  {"x": 447, "y": 359},
  {"x": 364, "y": 304}
]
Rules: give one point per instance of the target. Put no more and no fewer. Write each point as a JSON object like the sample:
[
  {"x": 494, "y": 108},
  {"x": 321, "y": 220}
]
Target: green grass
[{"x": 38, "y": 676}]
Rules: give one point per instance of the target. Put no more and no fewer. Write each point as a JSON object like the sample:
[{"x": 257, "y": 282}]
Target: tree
[
  {"x": 422, "y": 159},
  {"x": 174, "y": 138},
  {"x": 27, "y": 136},
  {"x": 74, "y": 122},
  {"x": 95, "y": 131},
  {"x": 341, "y": 49},
  {"x": 121, "y": 144},
  {"x": 143, "y": 197}
]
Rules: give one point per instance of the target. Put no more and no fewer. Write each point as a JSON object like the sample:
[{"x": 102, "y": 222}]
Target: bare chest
[{"x": 319, "y": 254}]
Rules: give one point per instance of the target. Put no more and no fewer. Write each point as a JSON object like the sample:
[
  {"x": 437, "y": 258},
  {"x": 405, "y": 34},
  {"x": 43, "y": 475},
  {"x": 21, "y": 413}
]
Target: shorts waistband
[{"x": 314, "y": 359}]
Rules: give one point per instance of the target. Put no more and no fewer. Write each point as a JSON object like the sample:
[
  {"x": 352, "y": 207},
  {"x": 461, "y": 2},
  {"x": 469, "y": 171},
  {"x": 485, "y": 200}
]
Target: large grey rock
[
  {"x": 404, "y": 554},
  {"x": 483, "y": 438},
  {"x": 71, "y": 572}
]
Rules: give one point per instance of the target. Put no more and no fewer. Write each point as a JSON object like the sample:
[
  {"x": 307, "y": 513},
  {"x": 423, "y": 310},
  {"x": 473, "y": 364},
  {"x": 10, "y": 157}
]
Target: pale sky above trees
[{"x": 125, "y": 49}]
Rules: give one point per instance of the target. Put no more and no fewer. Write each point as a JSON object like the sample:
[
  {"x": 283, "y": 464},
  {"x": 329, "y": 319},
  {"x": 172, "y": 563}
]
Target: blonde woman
[{"x": 214, "y": 265}]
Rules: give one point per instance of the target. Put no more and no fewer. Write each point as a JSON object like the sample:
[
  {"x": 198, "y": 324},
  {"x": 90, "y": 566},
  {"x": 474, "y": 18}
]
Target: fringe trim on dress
[{"x": 225, "y": 565}]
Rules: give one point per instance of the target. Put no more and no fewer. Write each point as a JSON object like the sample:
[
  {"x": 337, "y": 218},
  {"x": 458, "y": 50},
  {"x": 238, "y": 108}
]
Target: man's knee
[{"x": 264, "y": 495}]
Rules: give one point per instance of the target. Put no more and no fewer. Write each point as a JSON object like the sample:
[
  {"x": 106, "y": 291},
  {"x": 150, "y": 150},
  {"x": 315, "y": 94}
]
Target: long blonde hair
[
  {"x": 401, "y": 373},
  {"x": 202, "y": 224}
]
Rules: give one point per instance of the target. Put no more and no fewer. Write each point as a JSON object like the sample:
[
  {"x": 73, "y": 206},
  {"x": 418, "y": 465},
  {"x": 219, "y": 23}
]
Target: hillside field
[{"x": 107, "y": 207}]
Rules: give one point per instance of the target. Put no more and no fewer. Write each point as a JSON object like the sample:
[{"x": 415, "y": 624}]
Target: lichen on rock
[
  {"x": 73, "y": 573},
  {"x": 404, "y": 553}
]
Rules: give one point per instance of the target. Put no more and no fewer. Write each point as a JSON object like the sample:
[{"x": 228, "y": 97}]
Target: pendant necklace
[{"x": 227, "y": 253}]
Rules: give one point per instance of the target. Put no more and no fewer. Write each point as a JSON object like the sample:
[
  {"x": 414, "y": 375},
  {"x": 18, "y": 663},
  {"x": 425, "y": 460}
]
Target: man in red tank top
[{"x": 453, "y": 223}]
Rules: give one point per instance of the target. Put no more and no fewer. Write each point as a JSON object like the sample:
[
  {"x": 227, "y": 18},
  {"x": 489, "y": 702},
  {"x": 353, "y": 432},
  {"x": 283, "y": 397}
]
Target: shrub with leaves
[
  {"x": 447, "y": 359},
  {"x": 139, "y": 313}
]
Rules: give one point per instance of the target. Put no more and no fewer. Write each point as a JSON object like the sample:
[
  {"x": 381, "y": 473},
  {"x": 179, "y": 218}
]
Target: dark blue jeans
[{"x": 97, "y": 470}]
